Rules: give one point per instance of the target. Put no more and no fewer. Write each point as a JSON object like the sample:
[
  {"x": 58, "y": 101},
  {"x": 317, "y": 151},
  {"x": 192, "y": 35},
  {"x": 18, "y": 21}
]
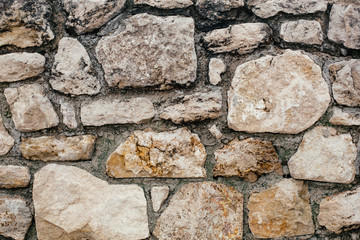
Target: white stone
[
  {"x": 14, "y": 176},
  {"x": 216, "y": 68},
  {"x": 346, "y": 117},
  {"x": 215, "y": 132},
  {"x": 158, "y": 195},
  {"x": 68, "y": 112},
  {"x": 166, "y": 4},
  {"x": 302, "y": 31},
  {"x": 6, "y": 141}
]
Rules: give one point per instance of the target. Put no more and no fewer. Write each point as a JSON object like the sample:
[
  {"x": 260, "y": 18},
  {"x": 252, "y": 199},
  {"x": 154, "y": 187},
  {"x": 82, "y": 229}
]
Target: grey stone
[
  {"x": 67, "y": 110},
  {"x": 217, "y": 9},
  {"x": 302, "y": 31},
  {"x": 166, "y": 4}
]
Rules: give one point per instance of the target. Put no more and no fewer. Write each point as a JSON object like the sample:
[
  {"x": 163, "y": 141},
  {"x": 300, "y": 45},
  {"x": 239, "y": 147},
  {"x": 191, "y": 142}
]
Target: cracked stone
[
  {"x": 346, "y": 117},
  {"x": 302, "y": 31},
  {"x": 166, "y": 4},
  {"x": 216, "y": 68},
  {"x": 158, "y": 195},
  {"x": 6, "y": 141},
  {"x": 14, "y": 176}
]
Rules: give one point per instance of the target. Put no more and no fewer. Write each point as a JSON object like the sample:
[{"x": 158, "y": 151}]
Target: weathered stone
[
  {"x": 344, "y": 25},
  {"x": 67, "y": 110},
  {"x": 151, "y": 51},
  {"x": 15, "y": 217},
  {"x": 86, "y": 16},
  {"x": 73, "y": 72},
  {"x": 281, "y": 94},
  {"x": 269, "y": 8},
  {"x": 302, "y": 31},
  {"x": 345, "y": 77},
  {"x": 247, "y": 159},
  {"x": 58, "y": 149},
  {"x": 14, "y": 176},
  {"x": 217, "y": 9},
  {"x": 281, "y": 211},
  {"x": 171, "y": 154},
  {"x": 205, "y": 210},
  {"x": 115, "y": 111},
  {"x": 24, "y": 23},
  {"x": 241, "y": 38},
  {"x": 195, "y": 107},
  {"x": 216, "y": 68},
  {"x": 6, "y": 141},
  {"x": 31, "y": 110},
  {"x": 70, "y": 203},
  {"x": 215, "y": 132},
  {"x": 166, "y": 4},
  {"x": 20, "y": 66},
  {"x": 158, "y": 196},
  {"x": 346, "y": 117}
]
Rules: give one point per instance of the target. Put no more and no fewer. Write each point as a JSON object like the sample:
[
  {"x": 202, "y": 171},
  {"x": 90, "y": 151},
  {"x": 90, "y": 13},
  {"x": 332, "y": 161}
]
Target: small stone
[
  {"x": 195, "y": 107},
  {"x": 302, "y": 31},
  {"x": 204, "y": 210},
  {"x": 14, "y": 176},
  {"x": 217, "y": 9},
  {"x": 281, "y": 211},
  {"x": 346, "y": 117},
  {"x": 324, "y": 155},
  {"x": 158, "y": 196},
  {"x": 151, "y": 51},
  {"x": 241, "y": 38},
  {"x": 70, "y": 203},
  {"x": 20, "y": 66},
  {"x": 6, "y": 141},
  {"x": 67, "y": 110},
  {"x": 166, "y": 4},
  {"x": 31, "y": 110},
  {"x": 172, "y": 154},
  {"x": 115, "y": 111},
  {"x": 72, "y": 72},
  {"x": 215, "y": 132},
  {"x": 216, "y": 68},
  {"x": 279, "y": 94}
]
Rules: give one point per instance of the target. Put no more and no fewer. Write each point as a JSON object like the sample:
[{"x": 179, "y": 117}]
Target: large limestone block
[
  {"x": 6, "y": 141},
  {"x": 14, "y": 176},
  {"x": 173, "y": 154},
  {"x": 346, "y": 117},
  {"x": 279, "y": 94},
  {"x": 205, "y": 210},
  {"x": 302, "y": 31},
  {"x": 166, "y": 4},
  {"x": 70, "y": 203}
]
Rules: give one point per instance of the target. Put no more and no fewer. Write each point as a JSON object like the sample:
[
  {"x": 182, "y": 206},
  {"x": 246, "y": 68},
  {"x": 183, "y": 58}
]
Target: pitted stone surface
[
  {"x": 217, "y": 9},
  {"x": 68, "y": 113},
  {"x": 216, "y": 68},
  {"x": 6, "y": 141},
  {"x": 346, "y": 117},
  {"x": 302, "y": 31},
  {"x": 14, "y": 176},
  {"x": 166, "y": 4},
  {"x": 158, "y": 196}
]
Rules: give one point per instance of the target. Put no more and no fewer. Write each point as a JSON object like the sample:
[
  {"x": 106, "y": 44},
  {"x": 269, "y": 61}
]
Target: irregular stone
[
  {"x": 70, "y": 203},
  {"x": 14, "y": 176},
  {"x": 281, "y": 211},
  {"x": 216, "y": 68},
  {"x": 344, "y": 25},
  {"x": 58, "y": 148},
  {"x": 279, "y": 94},
  {"x": 302, "y": 31},
  {"x": 217, "y": 9},
  {"x": 115, "y": 111},
  {"x": 72, "y": 72},
  {"x": 151, "y": 51},
  {"x": 171, "y": 154},
  {"x": 6, "y": 141},
  {"x": 20, "y": 66},
  {"x": 346, "y": 117},
  {"x": 166, "y": 4},
  {"x": 241, "y": 38},
  {"x": 31, "y": 110},
  {"x": 204, "y": 210},
  {"x": 215, "y": 132},
  {"x": 68, "y": 112},
  {"x": 195, "y": 107},
  {"x": 158, "y": 196}
]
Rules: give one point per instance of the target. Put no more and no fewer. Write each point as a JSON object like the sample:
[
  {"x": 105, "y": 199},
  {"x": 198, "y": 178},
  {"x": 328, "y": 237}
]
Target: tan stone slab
[
  {"x": 302, "y": 31},
  {"x": 14, "y": 176},
  {"x": 346, "y": 117}
]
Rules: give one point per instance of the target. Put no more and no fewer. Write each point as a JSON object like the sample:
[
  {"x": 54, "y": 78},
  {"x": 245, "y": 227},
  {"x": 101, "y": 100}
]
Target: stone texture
[
  {"x": 58, "y": 148},
  {"x": 6, "y": 141},
  {"x": 20, "y": 66},
  {"x": 195, "y": 107},
  {"x": 247, "y": 159},
  {"x": 281, "y": 94},
  {"x": 346, "y": 117},
  {"x": 166, "y": 4},
  {"x": 205, "y": 210},
  {"x": 115, "y": 111},
  {"x": 14, "y": 176},
  {"x": 215, "y": 132},
  {"x": 15, "y": 217},
  {"x": 31, "y": 110},
  {"x": 171, "y": 154},
  {"x": 158, "y": 196},
  {"x": 281, "y": 211},
  {"x": 217, "y": 9},
  {"x": 344, "y": 25},
  {"x": 67, "y": 110},
  {"x": 302, "y": 31},
  {"x": 216, "y": 68},
  {"x": 70, "y": 203},
  {"x": 85, "y": 16},
  {"x": 72, "y": 72},
  {"x": 241, "y": 38},
  {"x": 151, "y": 51}
]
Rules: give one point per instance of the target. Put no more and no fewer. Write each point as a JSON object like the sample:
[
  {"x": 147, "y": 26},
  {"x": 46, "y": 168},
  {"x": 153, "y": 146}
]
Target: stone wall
[{"x": 179, "y": 119}]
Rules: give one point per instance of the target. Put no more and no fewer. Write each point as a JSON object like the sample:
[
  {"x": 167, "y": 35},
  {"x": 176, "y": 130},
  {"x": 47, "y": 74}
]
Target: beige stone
[
  {"x": 14, "y": 176},
  {"x": 166, "y": 4},
  {"x": 281, "y": 211},
  {"x": 216, "y": 68},
  {"x": 158, "y": 195},
  {"x": 279, "y": 94},
  {"x": 70, "y": 203},
  {"x": 346, "y": 117},
  {"x": 172, "y": 154},
  {"x": 6, "y": 141},
  {"x": 215, "y": 132},
  {"x": 204, "y": 210},
  {"x": 67, "y": 110},
  {"x": 302, "y": 31}
]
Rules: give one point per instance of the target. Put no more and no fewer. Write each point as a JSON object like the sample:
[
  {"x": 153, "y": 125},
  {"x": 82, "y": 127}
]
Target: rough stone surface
[
  {"x": 217, "y": 9},
  {"x": 70, "y": 203},
  {"x": 151, "y": 51},
  {"x": 281, "y": 94},
  {"x": 20, "y": 66},
  {"x": 115, "y": 111},
  {"x": 344, "y": 25},
  {"x": 281, "y": 211},
  {"x": 302, "y": 31},
  {"x": 67, "y": 110},
  {"x": 216, "y": 68},
  {"x": 72, "y": 72},
  {"x": 215, "y": 132},
  {"x": 198, "y": 106},
  {"x": 204, "y": 210},
  {"x": 58, "y": 149},
  {"x": 158, "y": 196},
  {"x": 346, "y": 117},
  {"x": 6, "y": 141},
  {"x": 172, "y": 154},
  {"x": 31, "y": 110},
  {"x": 241, "y": 38},
  {"x": 14, "y": 176},
  {"x": 166, "y": 4}
]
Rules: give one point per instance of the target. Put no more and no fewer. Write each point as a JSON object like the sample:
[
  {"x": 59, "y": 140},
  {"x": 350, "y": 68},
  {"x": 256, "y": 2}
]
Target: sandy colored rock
[
  {"x": 72, "y": 72},
  {"x": 20, "y": 66},
  {"x": 14, "y": 176},
  {"x": 166, "y": 4},
  {"x": 281, "y": 211},
  {"x": 70, "y": 203},
  {"x": 158, "y": 196},
  {"x": 215, "y": 132},
  {"x": 346, "y": 117},
  {"x": 6, "y": 141},
  {"x": 204, "y": 210},
  {"x": 241, "y": 38},
  {"x": 195, "y": 107},
  {"x": 217, "y": 9},
  {"x": 172, "y": 154},
  {"x": 67, "y": 110},
  {"x": 31, "y": 110},
  {"x": 151, "y": 51},
  {"x": 279, "y": 94},
  {"x": 216, "y": 68},
  {"x": 302, "y": 31}
]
